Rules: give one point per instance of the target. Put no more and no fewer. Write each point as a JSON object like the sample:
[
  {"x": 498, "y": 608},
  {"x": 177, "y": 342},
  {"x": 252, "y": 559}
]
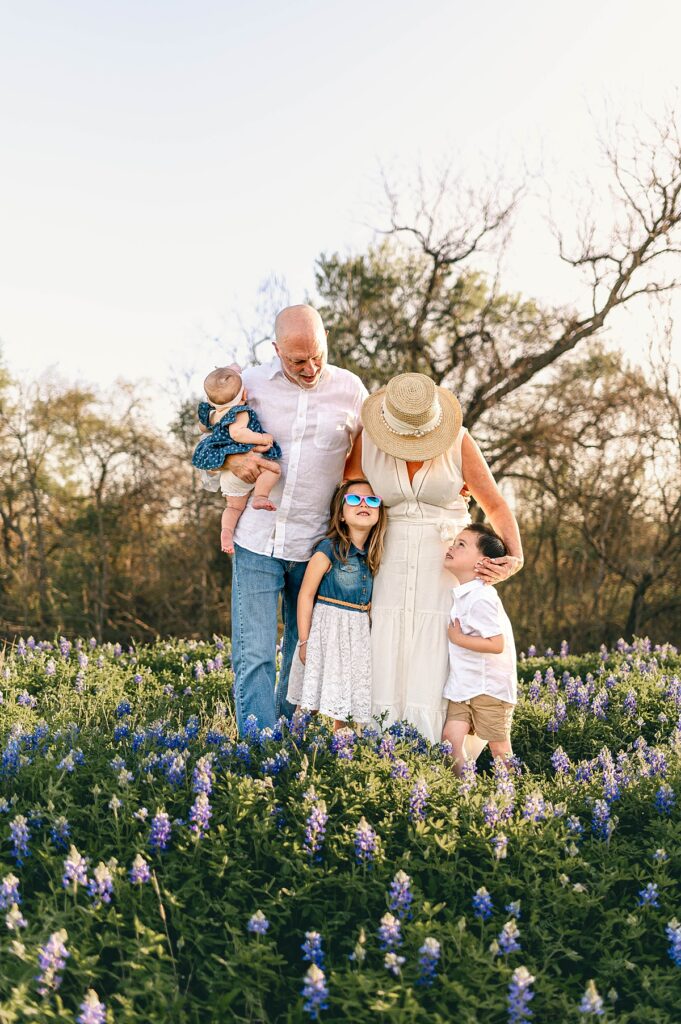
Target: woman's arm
[
  {"x": 484, "y": 489},
  {"x": 316, "y": 568},
  {"x": 353, "y": 463}
]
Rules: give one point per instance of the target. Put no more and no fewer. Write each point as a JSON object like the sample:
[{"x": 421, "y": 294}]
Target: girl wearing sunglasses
[{"x": 332, "y": 670}]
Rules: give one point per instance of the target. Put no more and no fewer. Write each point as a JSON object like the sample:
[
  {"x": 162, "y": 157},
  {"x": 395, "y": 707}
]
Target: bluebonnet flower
[
  {"x": 312, "y": 949},
  {"x": 534, "y": 689},
  {"x": 490, "y": 812},
  {"x": 401, "y": 896},
  {"x": 428, "y": 961},
  {"x": 51, "y": 961},
  {"x": 75, "y": 869},
  {"x": 315, "y": 991},
  {"x": 243, "y": 754},
  {"x": 665, "y": 798},
  {"x": 387, "y": 746},
  {"x": 673, "y": 933},
  {"x": 60, "y": 832},
  {"x": 418, "y": 800},
  {"x": 121, "y": 732},
  {"x": 4, "y": 805},
  {"x": 26, "y": 700},
  {"x": 482, "y": 904},
  {"x": 315, "y": 830},
  {"x": 532, "y": 651},
  {"x": 117, "y": 650},
  {"x": 258, "y": 923},
  {"x": 507, "y": 940},
  {"x": 514, "y": 909},
  {"x": 200, "y": 814},
  {"x": 73, "y": 758},
  {"x": 649, "y": 896},
  {"x": 199, "y": 672},
  {"x": 251, "y": 729},
  {"x": 393, "y": 963},
  {"x": 535, "y": 807},
  {"x": 558, "y": 717},
  {"x": 468, "y": 779},
  {"x": 564, "y": 649},
  {"x": 100, "y": 886},
  {"x": 660, "y": 855},
  {"x": 602, "y": 825},
  {"x": 574, "y": 825},
  {"x": 14, "y": 919},
  {"x": 629, "y": 703},
  {"x": 399, "y": 769},
  {"x": 591, "y": 1003},
  {"x": 499, "y": 845},
  {"x": 92, "y": 1011},
  {"x": 139, "y": 872},
  {"x": 599, "y": 706},
  {"x": 519, "y": 996},
  {"x": 366, "y": 842},
  {"x": 389, "y": 932},
  {"x": 343, "y": 744},
  {"x": 50, "y": 667},
  {"x": 83, "y": 660},
  {"x": 159, "y": 836},
  {"x": 560, "y": 761},
  {"x": 123, "y": 709},
  {"x": 18, "y": 829},
  {"x": 202, "y": 777},
  {"x": 9, "y": 892},
  {"x": 191, "y": 729},
  {"x": 299, "y": 724}
]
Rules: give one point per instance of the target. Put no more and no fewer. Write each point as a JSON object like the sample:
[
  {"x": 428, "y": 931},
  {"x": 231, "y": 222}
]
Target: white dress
[{"x": 412, "y": 593}]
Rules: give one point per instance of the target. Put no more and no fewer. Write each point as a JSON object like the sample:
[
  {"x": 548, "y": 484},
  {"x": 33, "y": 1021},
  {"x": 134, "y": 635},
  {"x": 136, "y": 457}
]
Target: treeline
[{"x": 106, "y": 532}]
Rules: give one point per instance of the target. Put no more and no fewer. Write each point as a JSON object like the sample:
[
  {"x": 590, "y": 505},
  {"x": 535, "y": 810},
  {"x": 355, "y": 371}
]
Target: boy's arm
[{"x": 481, "y": 644}]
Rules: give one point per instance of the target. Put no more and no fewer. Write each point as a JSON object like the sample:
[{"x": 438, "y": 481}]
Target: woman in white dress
[{"x": 418, "y": 457}]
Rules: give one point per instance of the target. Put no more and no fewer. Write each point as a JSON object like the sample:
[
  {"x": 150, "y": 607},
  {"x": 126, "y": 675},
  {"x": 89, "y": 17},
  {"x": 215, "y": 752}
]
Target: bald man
[{"x": 313, "y": 410}]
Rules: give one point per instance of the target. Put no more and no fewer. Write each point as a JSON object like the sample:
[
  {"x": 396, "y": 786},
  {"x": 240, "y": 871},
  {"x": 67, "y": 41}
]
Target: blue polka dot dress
[{"x": 212, "y": 450}]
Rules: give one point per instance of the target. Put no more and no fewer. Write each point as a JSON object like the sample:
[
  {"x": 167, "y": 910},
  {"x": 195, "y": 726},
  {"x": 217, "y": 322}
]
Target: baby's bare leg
[
  {"x": 230, "y": 517},
  {"x": 263, "y": 485}
]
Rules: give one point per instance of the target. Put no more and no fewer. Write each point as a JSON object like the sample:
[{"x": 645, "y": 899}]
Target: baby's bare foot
[
  {"x": 259, "y": 501},
  {"x": 227, "y": 541}
]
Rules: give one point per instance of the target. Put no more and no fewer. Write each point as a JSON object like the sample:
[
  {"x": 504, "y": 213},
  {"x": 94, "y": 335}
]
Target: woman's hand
[
  {"x": 496, "y": 570},
  {"x": 302, "y": 653}
]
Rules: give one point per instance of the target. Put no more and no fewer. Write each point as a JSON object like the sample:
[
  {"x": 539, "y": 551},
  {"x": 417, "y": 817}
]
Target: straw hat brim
[{"x": 413, "y": 449}]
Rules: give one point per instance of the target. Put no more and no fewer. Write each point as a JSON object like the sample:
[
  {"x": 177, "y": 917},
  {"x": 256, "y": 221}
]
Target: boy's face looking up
[{"x": 462, "y": 555}]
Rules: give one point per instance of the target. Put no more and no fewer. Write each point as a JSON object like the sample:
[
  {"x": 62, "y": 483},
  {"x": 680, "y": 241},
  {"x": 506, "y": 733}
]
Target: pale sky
[{"x": 161, "y": 159}]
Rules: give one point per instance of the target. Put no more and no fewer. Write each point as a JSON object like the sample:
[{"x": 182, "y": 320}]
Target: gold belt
[{"x": 346, "y": 604}]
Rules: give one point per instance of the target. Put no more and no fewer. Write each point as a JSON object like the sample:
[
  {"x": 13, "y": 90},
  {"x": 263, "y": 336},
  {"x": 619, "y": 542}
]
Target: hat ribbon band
[{"x": 396, "y": 426}]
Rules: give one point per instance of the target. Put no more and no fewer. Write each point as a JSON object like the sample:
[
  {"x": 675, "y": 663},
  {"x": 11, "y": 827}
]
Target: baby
[{"x": 231, "y": 427}]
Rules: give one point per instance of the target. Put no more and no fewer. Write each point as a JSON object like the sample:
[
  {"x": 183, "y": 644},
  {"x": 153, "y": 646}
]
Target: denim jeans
[{"x": 257, "y": 583}]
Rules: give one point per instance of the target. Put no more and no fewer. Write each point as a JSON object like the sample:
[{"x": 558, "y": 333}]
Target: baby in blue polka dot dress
[{"x": 232, "y": 427}]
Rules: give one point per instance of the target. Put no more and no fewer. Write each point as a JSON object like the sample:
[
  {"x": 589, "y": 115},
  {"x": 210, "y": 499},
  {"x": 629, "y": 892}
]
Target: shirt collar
[
  {"x": 357, "y": 551},
  {"x": 466, "y": 588}
]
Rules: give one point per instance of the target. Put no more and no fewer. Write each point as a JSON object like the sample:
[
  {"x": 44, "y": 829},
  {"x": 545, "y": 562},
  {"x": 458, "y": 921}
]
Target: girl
[{"x": 332, "y": 672}]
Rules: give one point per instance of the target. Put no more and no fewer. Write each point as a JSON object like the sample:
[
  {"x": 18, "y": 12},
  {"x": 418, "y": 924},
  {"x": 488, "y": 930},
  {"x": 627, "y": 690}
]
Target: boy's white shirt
[{"x": 471, "y": 673}]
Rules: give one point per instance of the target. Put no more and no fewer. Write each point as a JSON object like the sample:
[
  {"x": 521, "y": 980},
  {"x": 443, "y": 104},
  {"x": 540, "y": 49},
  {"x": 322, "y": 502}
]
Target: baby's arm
[
  {"x": 481, "y": 644},
  {"x": 240, "y": 433},
  {"x": 317, "y": 567}
]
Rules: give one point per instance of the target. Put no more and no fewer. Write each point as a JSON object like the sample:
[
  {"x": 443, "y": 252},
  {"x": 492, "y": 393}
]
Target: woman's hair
[
  {"x": 222, "y": 385},
  {"x": 489, "y": 543},
  {"x": 339, "y": 532}
]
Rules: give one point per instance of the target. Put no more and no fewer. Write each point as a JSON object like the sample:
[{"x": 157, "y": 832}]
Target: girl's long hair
[{"x": 339, "y": 532}]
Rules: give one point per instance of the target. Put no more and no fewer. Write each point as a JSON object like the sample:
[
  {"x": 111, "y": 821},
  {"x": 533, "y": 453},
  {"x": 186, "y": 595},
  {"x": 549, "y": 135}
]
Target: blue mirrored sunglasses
[{"x": 370, "y": 500}]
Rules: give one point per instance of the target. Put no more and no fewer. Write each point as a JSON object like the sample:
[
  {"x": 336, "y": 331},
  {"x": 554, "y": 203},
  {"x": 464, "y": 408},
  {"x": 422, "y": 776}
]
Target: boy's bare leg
[
  {"x": 263, "y": 485},
  {"x": 230, "y": 517},
  {"x": 455, "y": 732}
]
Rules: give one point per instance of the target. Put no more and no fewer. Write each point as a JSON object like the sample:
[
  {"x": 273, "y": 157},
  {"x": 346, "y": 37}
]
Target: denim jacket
[{"x": 349, "y": 581}]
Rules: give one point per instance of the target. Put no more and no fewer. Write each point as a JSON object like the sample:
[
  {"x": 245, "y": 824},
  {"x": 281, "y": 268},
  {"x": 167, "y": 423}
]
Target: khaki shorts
[{"x": 487, "y": 717}]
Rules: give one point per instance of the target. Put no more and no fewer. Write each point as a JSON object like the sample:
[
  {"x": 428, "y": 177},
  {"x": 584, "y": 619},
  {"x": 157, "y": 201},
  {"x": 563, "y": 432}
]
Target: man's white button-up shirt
[
  {"x": 315, "y": 429},
  {"x": 480, "y": 613}
]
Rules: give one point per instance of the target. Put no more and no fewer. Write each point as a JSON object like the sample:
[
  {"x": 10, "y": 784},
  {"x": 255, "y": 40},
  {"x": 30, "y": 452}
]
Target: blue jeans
[{"x": 257, "y": 583}]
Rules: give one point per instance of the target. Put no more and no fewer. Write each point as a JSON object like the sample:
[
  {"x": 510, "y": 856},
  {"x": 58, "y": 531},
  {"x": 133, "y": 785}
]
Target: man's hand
[
  {"x": 247, "y": 467},
  {"x": 455, "y": 632}
]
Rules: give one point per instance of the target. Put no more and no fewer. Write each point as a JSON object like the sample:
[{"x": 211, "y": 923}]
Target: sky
[{"x": 160, "y": 160}]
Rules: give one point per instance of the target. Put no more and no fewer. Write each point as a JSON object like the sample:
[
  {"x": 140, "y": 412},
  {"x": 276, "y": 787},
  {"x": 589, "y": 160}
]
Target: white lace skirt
[{"x": 336, "y": 676}]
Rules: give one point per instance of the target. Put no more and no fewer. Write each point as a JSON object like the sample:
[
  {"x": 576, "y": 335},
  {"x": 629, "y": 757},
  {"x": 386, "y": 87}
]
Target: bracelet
[{"x": 301, "y": 643}]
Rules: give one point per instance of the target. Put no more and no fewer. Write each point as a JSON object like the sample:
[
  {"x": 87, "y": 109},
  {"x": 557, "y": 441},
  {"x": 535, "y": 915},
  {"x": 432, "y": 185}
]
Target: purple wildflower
[
  {"x": 366, "y": 842},
  {"x": 560, "y": 761},
  {"x": 258, "y": 923},
  {"x": 123, "y": 709},
  {"x": 9, "y": 892},
  {"x": 389, "y": 933},
  {"x": 499, "y": 846},
  {"x": 519, "y": 996},
  {"x": 591, "y": 1003},
  {"x": 315, "y": 830},
  {"x": 535, "y": 807},
  {"x": 673, "y": 933},
  {"x": 400, "y": 769},
  {"x": 629, "y": 703},
  {"x": 139, "y": 873},
  {"x": 428, "y": 961},
  {"x": 400, "y": 894},
  {"x": 18, "y": 829},
  {"x": 343, "y": 744},
  {"x": 482, "y": 904},
  {"x": 393, "y": 963},
  {"x": 468, "y": 779},
  {"x": 602, "y": 825},
  {"x": 418, "y": 800},
  {"x": 51, "y": 961},
  {"x": 665, "y": 798},
  {"x": 100, "y": 886},
  {"x": 202, "y": 777},
  {"x": 92, "y": 1011},
  {"x": 200, "y": 814},
  {"x": 315, "y": 991},
  {"x": 649, "y": 896},
  {"x": 508, "y": 938},
  {"x": 312, "y": 949},
  {"x": 159, "y": 836},
  {"x": 14, "y": 919},
  {"x": 75, "y": 869}
]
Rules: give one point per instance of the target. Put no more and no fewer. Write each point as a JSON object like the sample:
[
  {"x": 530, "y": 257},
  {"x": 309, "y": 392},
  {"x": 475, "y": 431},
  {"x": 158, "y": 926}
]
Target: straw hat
[{"x": 412, "y": 418}]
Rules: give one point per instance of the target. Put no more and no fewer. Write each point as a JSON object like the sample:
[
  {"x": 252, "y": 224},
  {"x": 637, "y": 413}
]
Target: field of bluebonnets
[{"x": 153, "y": 868}]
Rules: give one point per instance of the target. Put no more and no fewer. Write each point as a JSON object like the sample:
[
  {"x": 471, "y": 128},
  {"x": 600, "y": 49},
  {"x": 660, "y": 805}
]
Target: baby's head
[
  {"x": 474, "y": 542},
  {"x": 223, "y": 385}
]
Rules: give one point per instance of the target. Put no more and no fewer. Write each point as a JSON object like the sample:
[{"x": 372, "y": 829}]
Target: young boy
[{"x": 482, "y": 684}]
